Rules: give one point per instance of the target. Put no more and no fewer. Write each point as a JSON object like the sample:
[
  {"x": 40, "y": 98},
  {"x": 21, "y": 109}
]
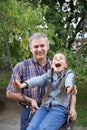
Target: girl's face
[{"x": 59, "y": 62}]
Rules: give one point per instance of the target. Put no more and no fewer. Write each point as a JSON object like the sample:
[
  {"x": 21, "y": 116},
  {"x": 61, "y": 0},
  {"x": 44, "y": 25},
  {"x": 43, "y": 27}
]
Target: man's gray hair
[{"x": 36, "y": 36}]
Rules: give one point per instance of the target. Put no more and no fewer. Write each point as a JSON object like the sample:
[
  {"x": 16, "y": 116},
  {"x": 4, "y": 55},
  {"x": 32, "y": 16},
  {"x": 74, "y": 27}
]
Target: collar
[
  {"x": 36, "y": 62},
  {"x": 60, "y": 75}
]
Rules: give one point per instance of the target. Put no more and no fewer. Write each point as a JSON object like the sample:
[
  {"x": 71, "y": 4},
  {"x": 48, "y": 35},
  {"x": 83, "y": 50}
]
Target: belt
[{"x": 53, "y": 105}]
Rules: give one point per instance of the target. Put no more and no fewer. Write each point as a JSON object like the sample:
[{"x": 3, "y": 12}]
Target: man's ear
[{"x": 31, "y": 50}]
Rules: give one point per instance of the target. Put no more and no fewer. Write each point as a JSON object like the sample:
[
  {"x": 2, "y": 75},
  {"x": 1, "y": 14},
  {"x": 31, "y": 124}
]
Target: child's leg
[
  {"x": 37, "y": 118},
  {"x": 54, "y": 119}
]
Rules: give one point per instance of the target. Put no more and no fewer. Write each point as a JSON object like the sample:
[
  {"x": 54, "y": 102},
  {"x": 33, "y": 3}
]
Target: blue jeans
[
  {"x": 25, "y": 118},
  {"x": 51, "y": 118}
]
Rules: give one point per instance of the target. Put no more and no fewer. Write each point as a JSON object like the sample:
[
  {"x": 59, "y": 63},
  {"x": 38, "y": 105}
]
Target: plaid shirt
[{"x": 25, "y": 70}]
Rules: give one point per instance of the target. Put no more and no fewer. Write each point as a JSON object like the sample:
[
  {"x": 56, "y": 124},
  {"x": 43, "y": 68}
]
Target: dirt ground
[
  {"x": 10, "y": 113},
  {"x": 9, "y": 110}
]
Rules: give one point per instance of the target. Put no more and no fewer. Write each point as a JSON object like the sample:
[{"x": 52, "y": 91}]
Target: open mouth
[{"x": 58, "y": 65}]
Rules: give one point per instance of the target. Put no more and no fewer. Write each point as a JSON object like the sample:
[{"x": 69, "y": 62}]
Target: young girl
[{"x": 59, "y": 82}]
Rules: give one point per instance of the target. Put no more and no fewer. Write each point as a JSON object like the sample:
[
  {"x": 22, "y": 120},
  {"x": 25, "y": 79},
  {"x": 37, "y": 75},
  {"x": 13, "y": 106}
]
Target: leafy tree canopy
[{"x": 61, "y": 20}]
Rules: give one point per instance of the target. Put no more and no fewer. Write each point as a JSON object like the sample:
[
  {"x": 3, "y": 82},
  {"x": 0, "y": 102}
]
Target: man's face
[
  {"x": 59, "y": 62},
  {"x": 39, "y": 49}
]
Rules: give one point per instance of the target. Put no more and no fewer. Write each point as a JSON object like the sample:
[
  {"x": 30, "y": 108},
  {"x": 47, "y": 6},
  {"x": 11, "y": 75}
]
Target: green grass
[{"x": 81, "y": 106}]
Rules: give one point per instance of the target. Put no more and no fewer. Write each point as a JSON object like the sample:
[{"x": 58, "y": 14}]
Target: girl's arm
[
  {"x": 39, "y": 81},
  {"x": 19, "y": 85}
]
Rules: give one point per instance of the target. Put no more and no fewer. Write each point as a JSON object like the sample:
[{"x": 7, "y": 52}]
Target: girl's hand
[
  {"x": 72, "y": 91},
  {"x": 16, "y": 84}
]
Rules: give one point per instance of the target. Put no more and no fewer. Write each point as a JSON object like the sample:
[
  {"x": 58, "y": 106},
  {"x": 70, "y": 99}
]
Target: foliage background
[{"x": 58, "y": 19}]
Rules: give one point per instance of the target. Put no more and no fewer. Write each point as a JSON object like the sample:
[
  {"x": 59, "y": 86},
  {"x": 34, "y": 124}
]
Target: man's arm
[
  {"x": 15, "y": 96},
  {"x": 20, "y": 98},
  {"x": 72, "y": 111}
]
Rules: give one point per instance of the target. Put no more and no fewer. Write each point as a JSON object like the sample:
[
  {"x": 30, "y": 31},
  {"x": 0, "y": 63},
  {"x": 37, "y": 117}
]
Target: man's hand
[
  {"x": 34, "y": 106},
  {"x": 73, "y": 115}
]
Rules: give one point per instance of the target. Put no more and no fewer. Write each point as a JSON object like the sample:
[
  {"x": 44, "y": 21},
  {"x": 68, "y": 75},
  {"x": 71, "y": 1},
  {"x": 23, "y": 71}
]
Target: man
[{"x": 35, "y": 66}]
